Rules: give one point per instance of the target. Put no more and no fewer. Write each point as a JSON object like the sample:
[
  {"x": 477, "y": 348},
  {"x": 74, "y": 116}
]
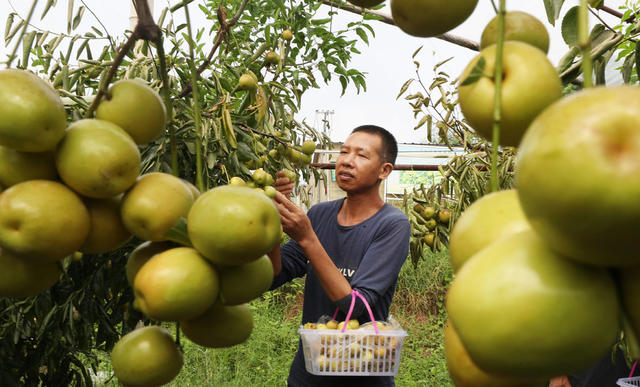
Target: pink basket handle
[{"x": 355, "y": 293}]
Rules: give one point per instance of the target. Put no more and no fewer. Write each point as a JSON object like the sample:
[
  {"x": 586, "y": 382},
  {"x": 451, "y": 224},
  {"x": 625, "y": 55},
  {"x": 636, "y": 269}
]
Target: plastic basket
[
  {"x": 364, "y": 352},
  {"x": 629, "y": 382}
]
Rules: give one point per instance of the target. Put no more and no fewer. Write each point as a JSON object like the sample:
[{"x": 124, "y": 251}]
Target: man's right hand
[{"x": 283, "y": 184}]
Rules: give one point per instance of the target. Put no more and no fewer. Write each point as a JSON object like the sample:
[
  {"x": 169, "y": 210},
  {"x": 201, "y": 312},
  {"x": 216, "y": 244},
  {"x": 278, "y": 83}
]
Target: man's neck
[{"x": 358, "y": 207}]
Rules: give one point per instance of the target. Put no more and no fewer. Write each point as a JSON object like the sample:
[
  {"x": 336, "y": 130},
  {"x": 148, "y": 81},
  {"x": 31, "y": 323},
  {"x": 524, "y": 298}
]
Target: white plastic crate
[
  {"x": 354, "y": 352},
  {"x": 629, "y": 382}
]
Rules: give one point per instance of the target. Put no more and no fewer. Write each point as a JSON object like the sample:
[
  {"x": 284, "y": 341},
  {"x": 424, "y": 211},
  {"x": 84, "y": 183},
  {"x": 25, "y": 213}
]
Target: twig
[
  {"x": 594, "y": 13},
  {"x": 220, "y": 36},
  {"x": 388, "y": 20},
  {"x": 247, "y": 128},
  {"x": 615, "y": 13},
  {"x": 113, "y": 47}
]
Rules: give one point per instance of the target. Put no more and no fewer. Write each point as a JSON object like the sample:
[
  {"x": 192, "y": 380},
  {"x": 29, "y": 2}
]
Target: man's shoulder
[
  {"x": 393, "y": 214},
  {"x": 331, "y": 205}
]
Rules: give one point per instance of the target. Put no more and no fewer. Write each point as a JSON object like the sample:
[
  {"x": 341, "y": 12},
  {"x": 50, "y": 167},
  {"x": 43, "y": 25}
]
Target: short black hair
[{"x": 389, "y": 150}]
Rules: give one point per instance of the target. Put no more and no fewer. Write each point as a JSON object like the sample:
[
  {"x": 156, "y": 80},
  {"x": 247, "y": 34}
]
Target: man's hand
[
  {"x": 294, "y": 221},
  {"x": 283, "y": 184},
  {"x": 560, "y": 381}
]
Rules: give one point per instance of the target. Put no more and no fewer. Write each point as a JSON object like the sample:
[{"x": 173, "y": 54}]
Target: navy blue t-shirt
[{"x": 369, "y": 255}]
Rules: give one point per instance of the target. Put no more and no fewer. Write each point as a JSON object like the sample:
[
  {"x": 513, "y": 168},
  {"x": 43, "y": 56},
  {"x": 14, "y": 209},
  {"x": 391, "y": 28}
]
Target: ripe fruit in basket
[
  {"x": 135, "y": 107},
  {"x": 220, "y": 326},
  {"x": 332, "y": 324},
  {"x": 530, "y": 84},
  {"x": 97, "y": 159},
  {"x": 589, "y": 146},
  {"x": 42, "y": 220},
  {"x": 464, "y": 372},
  {"x": 250, "y": 229},
  {"x": 16, "y": 167},
  {"x": 243, "y": 283},
  {"x": 522, "y": 310},
  {"x": 176, "y": 284},
  {"x": 488, "y": 219},
  {"x": 146, "y": 357},
  {"x": 351, "y": 324},
  {"x": 32, "y": 116},
  {"x": 155, "y": 204},
  {"x": 427, "y": 18},
  {"x": 309, "y": 325}
]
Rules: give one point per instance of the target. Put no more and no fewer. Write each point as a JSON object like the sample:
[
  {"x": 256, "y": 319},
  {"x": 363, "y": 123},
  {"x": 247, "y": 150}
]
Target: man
[{"x": 354, "y": 243}]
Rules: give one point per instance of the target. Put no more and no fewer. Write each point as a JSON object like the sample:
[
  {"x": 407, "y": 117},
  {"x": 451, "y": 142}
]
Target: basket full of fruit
[{"x": 348, "y": 348}]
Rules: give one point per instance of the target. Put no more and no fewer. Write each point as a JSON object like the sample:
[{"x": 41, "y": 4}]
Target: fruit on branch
[
  {"x": 428, "y": 212},
  {"x": 251, "y": 226},
  {"x": 135, "y": 107},
  {"x": 97, "y": 158},
  {"x": 147, "y": 356},
  {"x": 195, "y": 192},
  {"x": 220, "y": 326},
  {"x": 21, "y": 277},
  {"x": 366, "y": 3},
  {"x": 444, "y": 215},
  {"x": 519, "y": 26},
  {"x": 155, "y": 204},
  {"x": 272, "y": 58},
  {"x": 465, "y": 373},
  {"x": 429, "y": 239},
  {"x": 243, "y": 283},
  {"x": 260, "y": 176},
  {"x": 522, "y": 310},
  {"x": 237, "y": 181},
  {"x": 291, "y": 175},
  {"x": 270, "y": 191},
  {"x": 42, "y": 220},
  {"x": 32, "y": 116},
  {"x": 16, "y": 167},
  {"x": 106, "y": 232},
  {"x": 530, "y": 83},
  {"x": 287, "y": 35},
  {"x": 488, "y": 219},
  {"x": 578, "y": 175},
  {"x": 141, "y": 254},
  {"x": 308, "y": 147},
  {"x": 427, "y": 18},
  {"x": 248, "y": 81},
  {"x": 176, "y": 284}
]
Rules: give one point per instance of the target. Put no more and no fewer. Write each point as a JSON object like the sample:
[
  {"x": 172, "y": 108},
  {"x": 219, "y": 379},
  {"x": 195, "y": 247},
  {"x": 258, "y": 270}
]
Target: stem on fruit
[
  {"x": 173, "y": 147},
  {"x": 146, "y": 29},
  {"x": 497, "y": 102},
  {"x": 24, "y": 30},
  {"x": 195, "y": 104},
  {"x": 585, "y": 43}
]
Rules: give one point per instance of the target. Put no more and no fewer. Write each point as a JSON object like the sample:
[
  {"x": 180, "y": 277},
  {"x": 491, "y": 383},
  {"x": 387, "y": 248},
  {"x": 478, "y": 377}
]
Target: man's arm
[{"x": 298, "y": 226}]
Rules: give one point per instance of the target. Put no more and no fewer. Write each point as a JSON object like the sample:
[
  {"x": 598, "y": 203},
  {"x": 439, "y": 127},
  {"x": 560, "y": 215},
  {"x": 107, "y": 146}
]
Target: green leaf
[
  {"x": 422, "y": 121},
  {"x": 7, "y": 26},
  {"x": 69, "y": 16},
  {"x": 597, "y": 4},
  {"x": 416, "y": 52},
  {"x": 553, "y": 8},
  {"x": 637, "y": 58},
  {"x": 26, "y": 48},
  {"x": 404, "y": 87},
  {"x": 47, "y": 7},
  {"x": 627, "y": 67},
  {"x": 570, "y": 27},
  {"x": 476, "y": 72},
  {"x": 362, "y": 34},
  {"x": 567, "y": 60}
]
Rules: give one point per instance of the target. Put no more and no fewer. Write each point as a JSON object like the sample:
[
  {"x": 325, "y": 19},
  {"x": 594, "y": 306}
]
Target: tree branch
[
  {"x": 220, "y": 35},
  {"x": 388, "y": 20}
]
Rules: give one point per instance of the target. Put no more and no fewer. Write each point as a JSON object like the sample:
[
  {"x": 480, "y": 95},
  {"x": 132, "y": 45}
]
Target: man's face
[{"x": 359, "y": 165}]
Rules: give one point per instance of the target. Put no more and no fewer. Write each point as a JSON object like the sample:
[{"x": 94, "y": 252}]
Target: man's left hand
[{"x": 294, "y": 221}]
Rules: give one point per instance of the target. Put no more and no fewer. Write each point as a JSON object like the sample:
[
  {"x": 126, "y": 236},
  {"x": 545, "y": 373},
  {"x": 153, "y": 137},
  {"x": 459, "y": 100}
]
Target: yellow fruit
[
  {"x": 195, "y": 192},
  {"x": 141, "y": 254},
  {"x": 260, "y": 176},
  {"x": 247, "y": 82},
  {"x": 309, "y": 326},
  {"x": 237, "y": 181},
  {"x": 243, "y": 283},
  {"x": 287, "y": 35},
  {"x": 291, "y": 175},
  {"x": 429, "y": 239},
  {"x": 430, "y": 17},
  {"x": 23, "y": 278},
  {"x": 106, "y": 232},
  {"x": 146, "y": 357},
  {"x": 97, "y": 159},
  {"x": 16, "y": 167},
  {"x": 155, "y": 204},
  {"x": 488, "y": 219},
  {"x": 332, "y": 324},
  {"x": 220, "y": 326},
  {"x": 42, "y": 220},
  {"x": 250, "y": 229},
  {"x": 272, "y": 58},
  {"x": 32, "y": 116},
  {"x": 136, "y": 108},
  {"x": 175, "y": 285},
  {"x": 270, "y": 191},
  {"x": 308, "y": 147}
]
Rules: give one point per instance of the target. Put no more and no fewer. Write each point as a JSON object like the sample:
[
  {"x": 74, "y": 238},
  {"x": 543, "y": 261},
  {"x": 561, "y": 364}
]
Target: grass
[{"x": 265, "y": 358}]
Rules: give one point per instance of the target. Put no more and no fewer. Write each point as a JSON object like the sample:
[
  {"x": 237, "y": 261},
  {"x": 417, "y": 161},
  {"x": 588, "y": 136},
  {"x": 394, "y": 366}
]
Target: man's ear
[{"x": 385, "y": 170}]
